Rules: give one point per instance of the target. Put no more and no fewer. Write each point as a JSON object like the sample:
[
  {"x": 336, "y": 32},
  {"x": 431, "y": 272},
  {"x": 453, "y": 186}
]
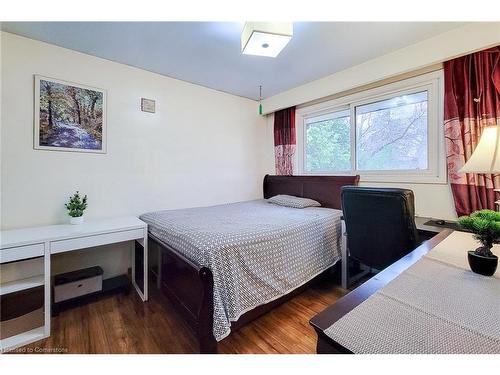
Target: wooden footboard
[{"x": 189, "y": 287}]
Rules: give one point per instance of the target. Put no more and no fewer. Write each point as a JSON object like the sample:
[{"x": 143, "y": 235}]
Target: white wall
[
  {"x": 201, "y": 147},
  {"x": 469, "y": 38}
]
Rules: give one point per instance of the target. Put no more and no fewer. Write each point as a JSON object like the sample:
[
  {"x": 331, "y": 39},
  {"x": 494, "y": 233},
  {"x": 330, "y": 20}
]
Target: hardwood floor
[{"x": 124, "y": 324}]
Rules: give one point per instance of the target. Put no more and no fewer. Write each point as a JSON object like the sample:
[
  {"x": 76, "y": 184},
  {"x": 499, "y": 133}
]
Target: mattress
[{"x": 257, "y": 251}]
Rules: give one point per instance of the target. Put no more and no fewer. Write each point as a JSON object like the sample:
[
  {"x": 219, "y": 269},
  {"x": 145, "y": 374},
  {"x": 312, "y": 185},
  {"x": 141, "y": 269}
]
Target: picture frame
[{"x": 69, "y": 116}]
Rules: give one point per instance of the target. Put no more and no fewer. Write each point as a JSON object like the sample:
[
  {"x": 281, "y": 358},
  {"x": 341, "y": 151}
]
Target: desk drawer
[
  {"x": 95, "y": 240},
  {"x": 21, "y": 252}
]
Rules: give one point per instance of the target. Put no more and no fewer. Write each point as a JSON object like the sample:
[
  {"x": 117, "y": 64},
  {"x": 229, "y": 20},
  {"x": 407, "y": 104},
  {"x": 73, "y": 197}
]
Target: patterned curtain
[
  {"x": 284, "y": 140},
  {"x": 471, "y": 102}
]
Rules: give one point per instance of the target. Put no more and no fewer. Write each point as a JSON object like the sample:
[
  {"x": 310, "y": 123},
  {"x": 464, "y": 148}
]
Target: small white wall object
[{"x": 148, "y": 105}]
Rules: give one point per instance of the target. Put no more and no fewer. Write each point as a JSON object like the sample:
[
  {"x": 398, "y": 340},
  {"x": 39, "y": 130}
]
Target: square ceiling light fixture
[{"x": 265, "y": 38}]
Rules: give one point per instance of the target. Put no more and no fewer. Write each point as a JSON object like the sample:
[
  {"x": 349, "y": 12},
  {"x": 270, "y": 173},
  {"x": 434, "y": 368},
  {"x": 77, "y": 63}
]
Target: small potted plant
[
  {"x": 485, "y": 225},
  {"x": 76, "y": 206}
]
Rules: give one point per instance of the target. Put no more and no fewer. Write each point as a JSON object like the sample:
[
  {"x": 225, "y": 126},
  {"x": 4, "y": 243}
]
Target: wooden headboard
[{"x": 324, "y": 189}]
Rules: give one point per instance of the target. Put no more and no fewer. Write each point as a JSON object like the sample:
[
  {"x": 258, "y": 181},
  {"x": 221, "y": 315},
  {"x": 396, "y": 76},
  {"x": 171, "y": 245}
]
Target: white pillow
[{"x": 294, "y": 202}]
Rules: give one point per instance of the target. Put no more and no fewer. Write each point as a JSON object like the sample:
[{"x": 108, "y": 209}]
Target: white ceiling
[{"x": 208, "y": 53}]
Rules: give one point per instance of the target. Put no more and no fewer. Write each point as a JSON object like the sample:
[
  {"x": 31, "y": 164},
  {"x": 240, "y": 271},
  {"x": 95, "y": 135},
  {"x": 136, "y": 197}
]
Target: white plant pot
[{"x": 76, "y": 220}]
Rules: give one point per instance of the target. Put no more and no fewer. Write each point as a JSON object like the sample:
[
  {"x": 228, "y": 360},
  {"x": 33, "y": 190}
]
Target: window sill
[{"x": 387, "y": 178}]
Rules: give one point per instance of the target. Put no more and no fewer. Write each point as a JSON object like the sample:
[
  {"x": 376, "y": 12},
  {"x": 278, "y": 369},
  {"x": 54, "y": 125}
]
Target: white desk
[{"x": 21, "y": 244}]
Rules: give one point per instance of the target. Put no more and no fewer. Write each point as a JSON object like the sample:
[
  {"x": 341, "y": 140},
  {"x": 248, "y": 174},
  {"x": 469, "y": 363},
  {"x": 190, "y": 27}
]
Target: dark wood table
[{"x": 331, "y": 314}]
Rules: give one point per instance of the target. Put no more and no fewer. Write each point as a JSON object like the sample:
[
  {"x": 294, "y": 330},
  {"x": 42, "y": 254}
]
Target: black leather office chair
[{"x": 380, "y": 224}]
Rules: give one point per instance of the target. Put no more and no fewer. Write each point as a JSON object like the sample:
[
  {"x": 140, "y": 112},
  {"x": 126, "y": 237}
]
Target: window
[
  {"x": 392, "y": 134},
  {"x": 328, "y": 142},
  {"x": 386, "y": 134}
]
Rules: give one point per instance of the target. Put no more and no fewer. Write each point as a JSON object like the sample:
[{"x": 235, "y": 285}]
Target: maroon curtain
[
  {"x": 471, "y": 102},
  {"x": 284, "y": 140}
]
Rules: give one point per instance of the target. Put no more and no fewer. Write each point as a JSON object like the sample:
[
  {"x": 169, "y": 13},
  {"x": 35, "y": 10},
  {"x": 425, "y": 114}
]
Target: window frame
[
  {"x": 342, "y": 109},
  {"x": 436, "y": 163}
]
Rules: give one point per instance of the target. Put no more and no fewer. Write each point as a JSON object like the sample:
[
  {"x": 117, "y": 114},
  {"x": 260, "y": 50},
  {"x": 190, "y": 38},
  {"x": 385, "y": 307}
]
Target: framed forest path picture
[{"x": 69, "y": 116}]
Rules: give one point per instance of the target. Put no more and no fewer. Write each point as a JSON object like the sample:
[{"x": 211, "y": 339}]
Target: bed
[{"x": 223, "y": 266}]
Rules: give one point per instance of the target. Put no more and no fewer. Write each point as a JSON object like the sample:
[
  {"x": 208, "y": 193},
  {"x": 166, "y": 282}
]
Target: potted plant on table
[
  {"x": 485, "y": 225},
  {"x": 76, "y": 206}
]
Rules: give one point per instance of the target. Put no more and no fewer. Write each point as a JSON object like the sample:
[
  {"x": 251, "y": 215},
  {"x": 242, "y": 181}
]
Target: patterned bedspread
[{"x": 257, "y": 251}]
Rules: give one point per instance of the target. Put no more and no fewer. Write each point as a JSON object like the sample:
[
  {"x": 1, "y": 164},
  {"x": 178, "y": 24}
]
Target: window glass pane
[
  {"x": 328, "y": 142},
  {"x": 392, "y": 134}
]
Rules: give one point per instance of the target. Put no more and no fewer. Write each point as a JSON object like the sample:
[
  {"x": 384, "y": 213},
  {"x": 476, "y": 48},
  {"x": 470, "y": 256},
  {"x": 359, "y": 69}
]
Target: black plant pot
[{"x": 482, "y": 265}]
